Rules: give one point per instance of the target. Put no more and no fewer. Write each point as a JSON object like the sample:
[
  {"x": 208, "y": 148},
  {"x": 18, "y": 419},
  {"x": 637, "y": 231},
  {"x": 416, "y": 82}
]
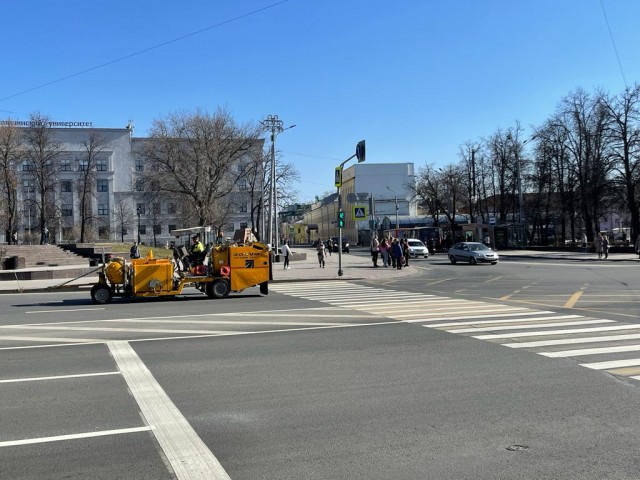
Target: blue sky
[{"x": 415, "y": 79}]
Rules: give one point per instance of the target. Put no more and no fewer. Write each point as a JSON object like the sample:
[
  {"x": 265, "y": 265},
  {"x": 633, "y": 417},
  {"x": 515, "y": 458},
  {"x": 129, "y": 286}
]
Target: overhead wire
[
  {"x": 613, "y": 43},
  {"x": 140, "y": 52}
]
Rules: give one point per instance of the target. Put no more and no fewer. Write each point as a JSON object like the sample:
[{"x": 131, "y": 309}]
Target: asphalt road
[{"x": 331, "y": 380}]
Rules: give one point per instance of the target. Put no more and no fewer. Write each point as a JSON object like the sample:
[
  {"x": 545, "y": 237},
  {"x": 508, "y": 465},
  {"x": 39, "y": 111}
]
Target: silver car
[
  {"x": 473, "y": 253},
  {"x": 417, "y": 248}
]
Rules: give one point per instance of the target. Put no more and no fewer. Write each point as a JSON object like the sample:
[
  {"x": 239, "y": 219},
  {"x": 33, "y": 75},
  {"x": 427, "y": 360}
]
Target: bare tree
[
  {"x": 42, "y": 152},
  {"x": 93, "y": 147},
  {"x": 624, "y": 112},
  {"x": 195, "y": 157},
  {"x": 10, "y": 152},
  {"x": 124, "y": 217}
]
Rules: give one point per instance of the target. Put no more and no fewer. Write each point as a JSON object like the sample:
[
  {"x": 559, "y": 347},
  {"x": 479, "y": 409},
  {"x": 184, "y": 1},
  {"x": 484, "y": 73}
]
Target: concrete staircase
[{"x": 43, "y": 256}]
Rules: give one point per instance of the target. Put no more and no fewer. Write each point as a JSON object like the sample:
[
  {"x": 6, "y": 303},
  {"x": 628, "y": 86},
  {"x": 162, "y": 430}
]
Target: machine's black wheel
[
  {"x": 264, "y": 288},
  {"x": 472, "y": 260},
  {"x": 101, "y": 294},
  {"x": 218, "y": 288},
  {"x": 452, "y": 259}
]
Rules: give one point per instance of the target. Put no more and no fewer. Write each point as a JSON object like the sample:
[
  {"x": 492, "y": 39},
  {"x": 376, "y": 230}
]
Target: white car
[{"x": 417, "y": 248}]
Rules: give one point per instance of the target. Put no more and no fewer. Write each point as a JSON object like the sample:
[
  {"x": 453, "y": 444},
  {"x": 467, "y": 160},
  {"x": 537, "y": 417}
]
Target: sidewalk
[{"x": 355, "y": 266}]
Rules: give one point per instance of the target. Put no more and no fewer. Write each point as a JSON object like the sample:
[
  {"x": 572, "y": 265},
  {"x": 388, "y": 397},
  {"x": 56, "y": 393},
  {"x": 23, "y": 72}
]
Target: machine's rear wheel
[
  {"x": 219, "y": 288},
  {"x": 101, "y": 294},
  {"x": 264, "y": 288}
]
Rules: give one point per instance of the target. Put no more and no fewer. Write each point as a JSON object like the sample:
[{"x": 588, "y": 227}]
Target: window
[
  {"x": 102, "y": 165},
  {"x": 103, "y": 232},
  {"x": 27, "y": 166},
  {"x": 67, "y": 209},
  {"x": 65, "y": 165},
  {"x": 243, "y": 208},
  {"x": 123, "y": 230},
  {"x": 240, "y": 168},
  {"x": 157, "y": 229},
  {"x": 28, "y": 186},
  {"x": 143, "y": 229},
  {"x": 139, "y": 166},
  {"x": 171, "y": 208},
  {"x": 172, "y": 227},
  {"x": 156, "y": 208},
  {"x": 103, "y": 209},
  {"x": 139, "y": 185},
  {"x": 83, "y": 165},
  {"x": 66, "y": 186},
  {"x": 244, "y": 225},
  {"x": 242, "y": 184},
  {"x": 103, "y": 185},
  {"x": 140, "y": 208}
]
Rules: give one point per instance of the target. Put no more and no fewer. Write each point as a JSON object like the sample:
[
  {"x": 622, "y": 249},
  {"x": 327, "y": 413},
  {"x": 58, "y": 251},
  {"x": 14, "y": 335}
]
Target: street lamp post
[
  {"x": 521, "y": 217},
  {"x": 273, "y": 123},
  {"x": 395, "y": 200},
  {"x": 138, "y": 211}
]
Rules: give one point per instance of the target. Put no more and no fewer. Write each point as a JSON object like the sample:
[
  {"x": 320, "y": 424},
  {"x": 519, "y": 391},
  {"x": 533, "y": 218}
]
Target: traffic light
[{"x": 340, "y": 219}]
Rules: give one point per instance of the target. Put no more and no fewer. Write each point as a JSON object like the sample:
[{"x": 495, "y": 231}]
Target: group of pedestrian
[
  {"x": 394, "y": 252},
  {"x": 601, "y": 242}
]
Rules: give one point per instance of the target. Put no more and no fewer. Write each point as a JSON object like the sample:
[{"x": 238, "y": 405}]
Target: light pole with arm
[
  {"x": 274, "y": 124},
  {"x": 395, "y": 200}
]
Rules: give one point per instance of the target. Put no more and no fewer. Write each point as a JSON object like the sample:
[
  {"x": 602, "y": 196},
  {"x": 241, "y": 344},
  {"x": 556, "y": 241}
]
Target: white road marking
[
  {"x": 115, "y": 329},
  {"x": 528, "y": 326},
  {"x": 508, "y": 320},
  {"x": 68, "y": 310},
  {"x": 559, "y": 332},
  {"x": 612, "y": 364},
  {"x": 58, "y": 377},
  {"x": 16, "y": 338},
  {"x": 185, "y": 451},
  {"x": 75, "y": 436},
  {"x": 572, "y": 341},
  {"x": 516, "y": 312},
  {"x": 591, "y": 351}
]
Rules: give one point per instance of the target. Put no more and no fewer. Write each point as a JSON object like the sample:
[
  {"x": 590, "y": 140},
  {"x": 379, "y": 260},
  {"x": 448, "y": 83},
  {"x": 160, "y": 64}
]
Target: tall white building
[{"x": 119, "y": 205}]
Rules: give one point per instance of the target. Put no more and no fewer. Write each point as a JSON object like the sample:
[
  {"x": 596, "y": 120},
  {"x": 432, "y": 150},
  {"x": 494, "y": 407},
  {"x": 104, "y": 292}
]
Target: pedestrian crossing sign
[{"x": 359, "y": 213}]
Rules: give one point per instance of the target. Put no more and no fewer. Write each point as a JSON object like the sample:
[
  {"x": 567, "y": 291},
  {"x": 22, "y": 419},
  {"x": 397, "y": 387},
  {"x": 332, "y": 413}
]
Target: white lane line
[
  {"x": 115, "y": 329},
  {"x": 184, "y": 449},
  {"x": 15, "y": 338},
  {"x": 58, "y": 377},
  {"x": 241, "y": 322},
  {"x": 508, "y": 320},
  {"x": 558, "y": 332},
  {"x": 28, "y": 347},
  {"x": 68, "y": 310},
  {"x": 518, "y": 312},
  {"x": 612, "y": 364},
  {"x": 528, "y": 326},
  {"x": 572, "y": 341},
  {"x": 75, "y": 436},
  {"x": 591, "y": 351}
]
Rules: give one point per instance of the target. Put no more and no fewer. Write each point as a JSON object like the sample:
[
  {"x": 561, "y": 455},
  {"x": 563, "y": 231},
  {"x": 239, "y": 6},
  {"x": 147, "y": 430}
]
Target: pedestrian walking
[
  {"x": 397, "y": 253},
  {"x": 405, "y": 251},
  {"x": 375, "y": 249},
  {"x": 384, "y": 251},
  {"x": 605, "y": 246},
  {"x": 597, "y": 242},
  {"x": 330, "y": 246},
  {"x": 322, "y": 253},
  {"x": 286, "y": 251}
]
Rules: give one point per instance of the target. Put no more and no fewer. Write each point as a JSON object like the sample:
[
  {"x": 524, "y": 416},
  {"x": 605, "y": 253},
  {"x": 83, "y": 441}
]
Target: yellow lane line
[{"x": 574, "y": 299}]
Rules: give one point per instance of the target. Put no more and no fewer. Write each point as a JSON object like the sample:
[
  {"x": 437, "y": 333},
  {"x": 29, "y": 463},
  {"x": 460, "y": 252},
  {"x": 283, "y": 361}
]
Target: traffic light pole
[{"x": 360, "y": 153}]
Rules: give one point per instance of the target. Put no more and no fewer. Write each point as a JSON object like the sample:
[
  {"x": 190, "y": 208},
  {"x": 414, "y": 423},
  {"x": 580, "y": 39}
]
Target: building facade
[{"x": 117, "y": 203}]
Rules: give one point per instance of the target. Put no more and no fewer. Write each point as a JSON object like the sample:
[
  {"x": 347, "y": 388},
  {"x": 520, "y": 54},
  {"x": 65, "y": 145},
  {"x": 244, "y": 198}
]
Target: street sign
[
  {"x": 492, "y": 221},
  {"x": 338, "y": 176},
  {"x": 359, "y": 213}
]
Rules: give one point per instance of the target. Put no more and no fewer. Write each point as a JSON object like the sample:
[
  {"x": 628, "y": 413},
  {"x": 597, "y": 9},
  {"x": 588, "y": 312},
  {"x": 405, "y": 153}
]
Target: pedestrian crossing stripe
[{"x": 498, "y": 323}]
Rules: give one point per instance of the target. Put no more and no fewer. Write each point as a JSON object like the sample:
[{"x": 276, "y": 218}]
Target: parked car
[
  {"x": 345, "y": 244},
  {"x": 417, "y": 248},
  {"x": 472, "y": 252}
]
